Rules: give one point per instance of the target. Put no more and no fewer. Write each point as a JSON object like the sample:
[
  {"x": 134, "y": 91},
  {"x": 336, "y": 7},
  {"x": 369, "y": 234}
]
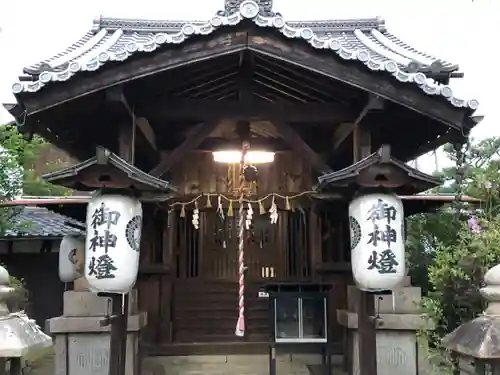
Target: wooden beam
[
  {"x": 301, "y": 55},
  {"x": 361, "y": 143},
  {"x": 193, "y": 140},
  {"x": 202, "y": 110},
  {"x": 345, "y": 130},
  {"x": 301, "y": 147},
  {"x": 116, "y": 96},
  {"x": 191, "y": 52}
]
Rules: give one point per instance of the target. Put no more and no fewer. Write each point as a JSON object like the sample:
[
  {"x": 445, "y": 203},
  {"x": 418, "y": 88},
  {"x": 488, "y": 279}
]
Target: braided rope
[{"x": 240, "y": 325}]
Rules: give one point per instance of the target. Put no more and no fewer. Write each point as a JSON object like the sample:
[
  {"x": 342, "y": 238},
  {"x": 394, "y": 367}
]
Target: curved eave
[
  {"x": 347, "y": 176},
  {"x": 375, "y": 49},
  {"x": 65, "y": 175}
]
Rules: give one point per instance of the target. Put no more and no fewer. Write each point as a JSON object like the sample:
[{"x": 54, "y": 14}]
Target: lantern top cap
[
  {"x": 108, "y": 170},
  {"x": 380, "y": 170}
]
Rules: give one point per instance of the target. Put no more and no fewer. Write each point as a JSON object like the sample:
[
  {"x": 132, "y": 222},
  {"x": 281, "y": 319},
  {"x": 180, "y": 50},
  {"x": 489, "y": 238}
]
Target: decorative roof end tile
[{"x": 362, "y": 40}]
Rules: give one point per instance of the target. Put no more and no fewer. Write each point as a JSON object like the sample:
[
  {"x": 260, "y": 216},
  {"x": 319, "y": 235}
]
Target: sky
[{"x": 460, "y": 31}]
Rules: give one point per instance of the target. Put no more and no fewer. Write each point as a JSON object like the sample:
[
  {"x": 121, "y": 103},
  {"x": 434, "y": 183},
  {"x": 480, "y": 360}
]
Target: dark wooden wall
[
  {"x": 40, "y": 274},
  {"x": 188, "y": 280},
  {"x": 198, "y": 173}
]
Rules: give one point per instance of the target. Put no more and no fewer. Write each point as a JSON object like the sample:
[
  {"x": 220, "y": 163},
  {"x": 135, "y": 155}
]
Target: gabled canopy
[
  {"x": 363, "y": 40},
  {"x": 337, "y": 66},
  {"x": 107, "y": 170},
  {"x": 379, "y": 169}
]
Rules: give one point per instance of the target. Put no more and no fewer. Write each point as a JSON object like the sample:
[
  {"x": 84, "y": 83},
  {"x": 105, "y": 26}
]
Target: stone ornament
[
  {"x": 19, "y": 335},
  {"x": 373, "y": 48}
]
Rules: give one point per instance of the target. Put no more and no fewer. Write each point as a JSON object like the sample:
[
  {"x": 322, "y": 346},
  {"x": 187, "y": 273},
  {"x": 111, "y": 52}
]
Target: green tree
[
  {"x": 22, "y": 154},
  {"x": 445, "y": 257}
]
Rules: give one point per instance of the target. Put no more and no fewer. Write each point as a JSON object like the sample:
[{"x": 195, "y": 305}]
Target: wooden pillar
[
  {"x": 367, "y": 334},
  {"x": 315, "y": 240},
  {"x": 167, "y": 282},
  {"x": 126, "y": 142}
]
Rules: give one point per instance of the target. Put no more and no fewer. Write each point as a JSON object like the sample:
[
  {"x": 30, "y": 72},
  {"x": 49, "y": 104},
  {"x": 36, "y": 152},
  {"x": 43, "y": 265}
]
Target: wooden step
[
  {"x": 202, "y": 305},
  {"x": 188, "y": 336},
  {"x": 193, "y": 314},
  {"x": 215, "y": 324},
  {"x": 213, "y": 348}
]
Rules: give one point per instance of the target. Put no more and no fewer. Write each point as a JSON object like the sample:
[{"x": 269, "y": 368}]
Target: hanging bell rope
[{"x": 240, "y": 325}]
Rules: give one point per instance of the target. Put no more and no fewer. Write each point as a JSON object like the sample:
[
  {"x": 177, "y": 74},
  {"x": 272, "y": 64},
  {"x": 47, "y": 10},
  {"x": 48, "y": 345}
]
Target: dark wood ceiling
[{"x": 241, "y": 85}]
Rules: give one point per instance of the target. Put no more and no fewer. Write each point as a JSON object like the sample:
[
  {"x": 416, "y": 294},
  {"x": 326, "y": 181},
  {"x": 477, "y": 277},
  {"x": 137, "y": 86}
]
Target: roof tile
[
  {"x": 41, "y": 222},
  {"x": 363, "y": 40}
]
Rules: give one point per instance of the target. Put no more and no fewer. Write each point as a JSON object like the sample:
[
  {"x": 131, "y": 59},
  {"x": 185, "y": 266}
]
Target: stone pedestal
[
  {"x": 397, "y": 326},
  {"x": 82, "y": 346}
]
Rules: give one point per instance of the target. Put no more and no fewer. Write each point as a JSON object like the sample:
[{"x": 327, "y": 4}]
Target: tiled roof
[
  {"x": 363, "y": 40},
  {"x": 41, "y": 222}
]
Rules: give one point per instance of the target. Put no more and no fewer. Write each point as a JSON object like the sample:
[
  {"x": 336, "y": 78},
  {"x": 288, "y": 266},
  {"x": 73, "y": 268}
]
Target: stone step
[{"x": 227, "y": 365}]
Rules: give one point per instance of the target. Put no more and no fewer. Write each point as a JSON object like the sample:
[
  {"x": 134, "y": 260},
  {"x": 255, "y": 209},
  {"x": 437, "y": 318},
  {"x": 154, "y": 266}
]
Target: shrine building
[{"x": 321, "y": 109}]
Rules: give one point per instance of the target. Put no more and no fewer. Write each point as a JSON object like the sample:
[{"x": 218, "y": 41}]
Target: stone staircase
[
  {"x": 214, "y": 365},
  {"x": 296, "y": 364}
]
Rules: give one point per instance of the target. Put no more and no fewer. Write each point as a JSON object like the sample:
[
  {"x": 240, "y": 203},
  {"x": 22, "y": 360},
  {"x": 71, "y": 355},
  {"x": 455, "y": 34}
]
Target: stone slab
[
  {"x": 396, "y": 353},
  {"x": 403, "y": 301},
  {"x": 91, "y": 324},
  {"x": 84, "y": 303},
  {"x": 401, "y": 322},
  {"x": 234, "y": 365},
  {"x": 89, "y": 354}
]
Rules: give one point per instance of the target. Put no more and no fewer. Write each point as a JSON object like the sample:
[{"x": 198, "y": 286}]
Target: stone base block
[
  {"x": 92, "y": 324},
  {"x": 88, "y": 354},
  {"x": 84, "y": 303},
  {"x": 396, "y": 352},
  {"x": 404, "y": 300},
  {"x": 400, "y": 322}
]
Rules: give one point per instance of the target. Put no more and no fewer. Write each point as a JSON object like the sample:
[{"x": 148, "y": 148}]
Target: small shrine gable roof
[
  {"x": 135, "y": 177},
  {"x": 380, "y": 164},
  {"x": 363, "y": 40}
]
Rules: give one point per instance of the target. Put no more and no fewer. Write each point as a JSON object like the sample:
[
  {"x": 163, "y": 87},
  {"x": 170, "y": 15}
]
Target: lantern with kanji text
[
  {"x": 114, "y": 224},
  {"x": 376, "y": 223}
]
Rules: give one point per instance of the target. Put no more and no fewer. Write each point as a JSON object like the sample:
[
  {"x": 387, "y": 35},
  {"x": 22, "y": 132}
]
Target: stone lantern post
[{"x": 479, "y": 339}]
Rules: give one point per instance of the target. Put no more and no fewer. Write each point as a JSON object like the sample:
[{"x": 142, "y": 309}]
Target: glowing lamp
[{"x": 234, "y": 156}]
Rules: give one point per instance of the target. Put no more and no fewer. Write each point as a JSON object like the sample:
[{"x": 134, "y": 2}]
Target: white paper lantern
[
  {"x": 377, "y": 241},
  {"x": 68, "y": 258},
  {"x": 114, "y": 224}
]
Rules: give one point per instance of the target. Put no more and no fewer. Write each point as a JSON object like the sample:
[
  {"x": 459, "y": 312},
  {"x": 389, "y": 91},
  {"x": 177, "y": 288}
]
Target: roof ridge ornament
[{"x": 264, "y": 7}]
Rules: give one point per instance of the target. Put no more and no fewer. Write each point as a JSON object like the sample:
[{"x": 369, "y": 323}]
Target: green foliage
[
  {"x": 24, "y": 153},
  {"x": 448, "y": 260}
]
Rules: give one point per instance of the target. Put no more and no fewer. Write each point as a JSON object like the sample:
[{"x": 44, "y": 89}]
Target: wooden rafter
[
  {"x": 301, "y": 56},
  {"x": 192, "y": 141},
  {"x": 301, "y": 147},
  {"x": 201, "y": 110}
]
